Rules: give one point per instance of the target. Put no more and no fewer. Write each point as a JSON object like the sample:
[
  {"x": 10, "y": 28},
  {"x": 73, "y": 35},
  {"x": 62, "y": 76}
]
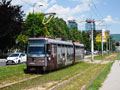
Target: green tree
[
  {"x": 86, "y": 41},
  {"x": 11, "y": 21},
  {"x": 34, "y": 26}
]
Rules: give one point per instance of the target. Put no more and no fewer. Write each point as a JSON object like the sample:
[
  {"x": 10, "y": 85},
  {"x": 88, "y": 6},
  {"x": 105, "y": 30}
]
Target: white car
[{"x": 16, "y": 58}]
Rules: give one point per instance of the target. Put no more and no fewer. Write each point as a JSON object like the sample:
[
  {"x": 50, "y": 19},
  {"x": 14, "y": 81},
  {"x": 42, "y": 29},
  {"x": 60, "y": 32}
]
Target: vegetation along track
[
  {"x": 10, "y": 84},
  {"x": 75, "y": 76},
  {"x": 90, "y": 69}
]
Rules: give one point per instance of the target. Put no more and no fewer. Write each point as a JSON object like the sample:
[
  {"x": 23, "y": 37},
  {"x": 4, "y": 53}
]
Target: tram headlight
[{"x": 49, "y": 58}]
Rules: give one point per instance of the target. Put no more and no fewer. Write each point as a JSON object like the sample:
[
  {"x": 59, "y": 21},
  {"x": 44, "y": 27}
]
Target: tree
[
  {"x": 34, "y": 29},
  {"x": 11, "y": 21},
  {"x": 86, "y": 41}
]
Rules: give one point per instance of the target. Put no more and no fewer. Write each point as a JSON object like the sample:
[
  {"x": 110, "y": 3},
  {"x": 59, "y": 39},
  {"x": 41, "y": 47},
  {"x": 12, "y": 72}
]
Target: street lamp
[{"x": 33, "y": 16}]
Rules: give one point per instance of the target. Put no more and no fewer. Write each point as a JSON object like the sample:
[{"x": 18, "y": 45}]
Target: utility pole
[
  {"x": 92, "y": 43},
  {"x": 109, "y": 42}
]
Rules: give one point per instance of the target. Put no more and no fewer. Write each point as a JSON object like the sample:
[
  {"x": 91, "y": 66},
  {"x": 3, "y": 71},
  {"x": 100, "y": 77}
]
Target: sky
[{"x": 104, "y": 12}]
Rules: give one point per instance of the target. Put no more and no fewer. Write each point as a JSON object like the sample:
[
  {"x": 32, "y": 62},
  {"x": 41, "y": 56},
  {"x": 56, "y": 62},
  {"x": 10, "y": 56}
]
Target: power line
[{"x": 98, "y": 12}]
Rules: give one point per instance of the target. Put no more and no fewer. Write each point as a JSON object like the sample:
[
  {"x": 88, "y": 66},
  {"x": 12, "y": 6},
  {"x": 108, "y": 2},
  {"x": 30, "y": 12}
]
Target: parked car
[
  {"x": 16, "y": 58},
  {"x": 88, "y": 52},
  {"x": 95, "y": 52}
]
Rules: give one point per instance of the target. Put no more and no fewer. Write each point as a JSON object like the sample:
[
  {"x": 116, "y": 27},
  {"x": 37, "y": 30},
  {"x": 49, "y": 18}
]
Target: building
[
  {"x": 72, "y": 24},
  {"x": 89, "y": 24}
]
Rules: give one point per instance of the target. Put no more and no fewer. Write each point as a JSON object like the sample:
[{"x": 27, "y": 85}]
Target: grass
[
  {"x": 12, "y": 73},
  {"x": 98, "y": 82},
  {"x": 16, "y": 71},
  {"x": 52, "y": 77},
  {"x": 99, "y": 56},
  {"x": 79, "y": 82}
]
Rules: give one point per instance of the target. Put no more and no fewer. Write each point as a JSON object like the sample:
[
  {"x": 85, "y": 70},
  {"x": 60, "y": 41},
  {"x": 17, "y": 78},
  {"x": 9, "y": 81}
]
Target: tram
[{"x": 50, "y": 54}]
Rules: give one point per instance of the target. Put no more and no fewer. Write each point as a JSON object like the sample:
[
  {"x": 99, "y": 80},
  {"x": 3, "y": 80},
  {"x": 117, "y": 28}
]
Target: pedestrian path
[{"x": 112, "y": 81}]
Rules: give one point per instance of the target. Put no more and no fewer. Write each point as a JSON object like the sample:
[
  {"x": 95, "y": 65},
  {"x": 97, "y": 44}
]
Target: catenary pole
[
  {"x": 102, "y": 42},
  {"x": 92, "y": 43}
]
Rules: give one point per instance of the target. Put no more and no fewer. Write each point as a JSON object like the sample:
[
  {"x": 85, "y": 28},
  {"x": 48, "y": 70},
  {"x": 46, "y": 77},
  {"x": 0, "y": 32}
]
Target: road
[{"x": 2, "y": 62}]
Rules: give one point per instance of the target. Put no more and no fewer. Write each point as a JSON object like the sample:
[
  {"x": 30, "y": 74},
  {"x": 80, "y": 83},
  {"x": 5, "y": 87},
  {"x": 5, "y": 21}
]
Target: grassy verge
[
  {"x": 80, "y": 82},
  {"x": 97, "y": 83},
  {"x": 52, "y": 77},
  {"x": 12, "y": 73},
  {"x": 99, "y": 56}
]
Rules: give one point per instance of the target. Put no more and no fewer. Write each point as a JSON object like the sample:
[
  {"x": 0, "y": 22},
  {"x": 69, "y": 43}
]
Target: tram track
[
  {"x": 17, "y": 82},
  {"x": 68, "y": 80},
  {"x": 62, "y": 82}
]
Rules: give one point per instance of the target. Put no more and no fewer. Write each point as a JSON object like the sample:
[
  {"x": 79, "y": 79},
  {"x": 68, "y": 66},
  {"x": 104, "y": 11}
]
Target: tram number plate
[{"x": 9, "y": 61}]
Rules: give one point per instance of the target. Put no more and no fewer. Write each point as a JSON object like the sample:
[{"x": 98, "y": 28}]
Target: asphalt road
[{"x": 2, "y": 62}]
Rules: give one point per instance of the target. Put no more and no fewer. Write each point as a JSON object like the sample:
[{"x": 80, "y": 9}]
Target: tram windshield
[
  {"x": 36, "y": 48},
  {"x": 36, "y": 51}
]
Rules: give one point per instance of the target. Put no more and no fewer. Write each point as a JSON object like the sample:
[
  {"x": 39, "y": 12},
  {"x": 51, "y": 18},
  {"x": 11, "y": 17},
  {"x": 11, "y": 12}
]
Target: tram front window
[{"x": 36, "y": 51}]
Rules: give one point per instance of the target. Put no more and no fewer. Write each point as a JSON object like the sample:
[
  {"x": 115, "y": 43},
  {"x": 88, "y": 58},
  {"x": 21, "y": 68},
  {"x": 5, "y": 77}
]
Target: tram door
[{"x": 54, "y": 55}]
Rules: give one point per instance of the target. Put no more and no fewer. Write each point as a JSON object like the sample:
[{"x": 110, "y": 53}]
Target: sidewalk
[{"x": 112, "y": 81}]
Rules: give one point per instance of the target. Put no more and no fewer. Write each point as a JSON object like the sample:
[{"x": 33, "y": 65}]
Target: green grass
[
  {"x": 51, "y": 77},
  {"x": 100, "y": 79},
  {"x": 99, "y": 56},
  {"x": 79, "y": 82},
  {"x": 98, "y": 82},
  {"x": 12, "y": 73}
]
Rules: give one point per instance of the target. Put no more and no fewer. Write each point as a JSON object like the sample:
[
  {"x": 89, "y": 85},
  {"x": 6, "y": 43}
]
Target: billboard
[{"x": 104, "y": 34}]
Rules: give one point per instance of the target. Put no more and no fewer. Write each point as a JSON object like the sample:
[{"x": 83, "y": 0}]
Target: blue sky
[{"x": 105, "y": 12}]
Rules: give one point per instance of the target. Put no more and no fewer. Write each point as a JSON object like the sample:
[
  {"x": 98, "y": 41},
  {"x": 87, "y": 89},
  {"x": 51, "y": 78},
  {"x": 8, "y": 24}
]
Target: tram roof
[
  {"x": 77, "y": 44},
  {"x": 53, "y": 41},
  {"x": 57, "y": 41}
]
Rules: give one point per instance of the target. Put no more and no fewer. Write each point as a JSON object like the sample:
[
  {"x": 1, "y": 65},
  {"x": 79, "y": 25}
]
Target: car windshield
[
  {"x": 36, "y": 51},
  {"x": 14, "y": 55}
]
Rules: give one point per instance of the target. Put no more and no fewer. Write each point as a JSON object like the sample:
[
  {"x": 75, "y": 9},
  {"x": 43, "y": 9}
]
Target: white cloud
[
  {"x": 109, "y": 19},
  {"x": 28, "y": 4},
  {"x": 67, "y": 12}
]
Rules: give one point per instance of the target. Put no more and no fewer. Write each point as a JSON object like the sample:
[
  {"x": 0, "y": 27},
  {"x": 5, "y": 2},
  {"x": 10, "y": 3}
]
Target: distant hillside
[{"x": 116, "y": 37}]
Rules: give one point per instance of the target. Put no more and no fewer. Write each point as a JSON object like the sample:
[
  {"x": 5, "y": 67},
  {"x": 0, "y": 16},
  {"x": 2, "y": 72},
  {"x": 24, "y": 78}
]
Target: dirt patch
[
  {"x": 83, "y": 87},
  {"x": 43, "y": 87},
  {"x": 105, "y": 62},
  {"x": 111, "y": 56}
]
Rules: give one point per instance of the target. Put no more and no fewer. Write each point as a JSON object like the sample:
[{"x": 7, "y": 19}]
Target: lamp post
[{"x": 33, "y": 17}]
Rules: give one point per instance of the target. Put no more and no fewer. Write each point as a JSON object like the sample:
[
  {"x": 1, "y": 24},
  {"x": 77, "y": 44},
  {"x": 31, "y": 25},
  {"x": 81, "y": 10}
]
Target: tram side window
[
  {"x": 53, "y": 50},
  {"x": 63, "y": 51},
  {"x": 48, "y": 49},
  {"x": 58, "y": 50}
]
